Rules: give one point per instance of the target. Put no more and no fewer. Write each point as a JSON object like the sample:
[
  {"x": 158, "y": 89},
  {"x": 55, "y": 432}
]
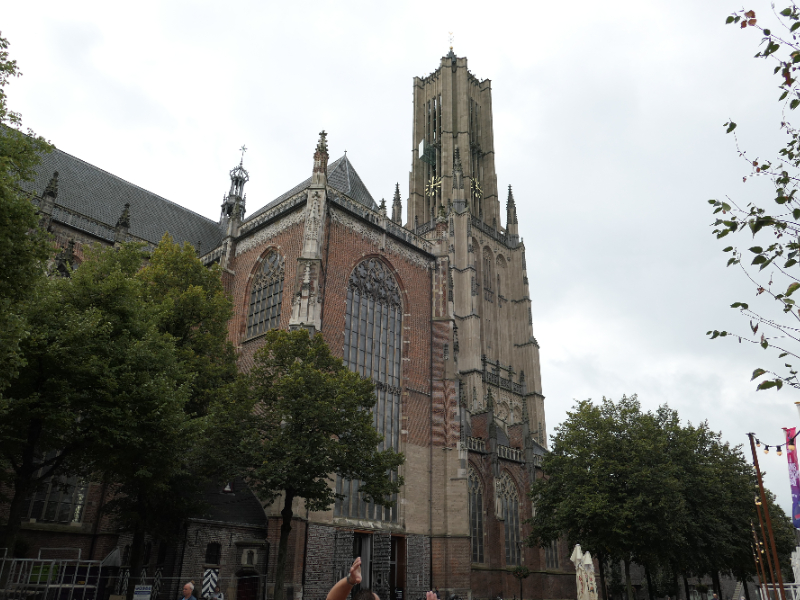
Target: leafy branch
[{"x": 780, "y": 221}]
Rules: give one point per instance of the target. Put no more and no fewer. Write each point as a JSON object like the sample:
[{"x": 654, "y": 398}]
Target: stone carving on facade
[
  {"x": 409, "y": 255},
  {"x": 370, "y": 234},
  {"x": 269, "y": 232},
  {"x": 502, "y": 411},
  {"x": 283, "y": 207},
  {"x": 372, "y": 278},
  {"x": 364, "y": 231},
  {"x": 272, "y": 271},
  {"x": 313, "y": 220}
]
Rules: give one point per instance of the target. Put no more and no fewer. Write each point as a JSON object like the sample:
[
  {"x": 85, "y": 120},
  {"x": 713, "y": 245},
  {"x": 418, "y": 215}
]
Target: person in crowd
[
  {"x": 216, "y": 594},
  {"x": 344, "y": 586},
  {"x": 188, "y": 591}
]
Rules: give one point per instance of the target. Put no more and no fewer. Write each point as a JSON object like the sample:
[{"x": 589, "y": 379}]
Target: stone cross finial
[{"x": 322, "y": 144}]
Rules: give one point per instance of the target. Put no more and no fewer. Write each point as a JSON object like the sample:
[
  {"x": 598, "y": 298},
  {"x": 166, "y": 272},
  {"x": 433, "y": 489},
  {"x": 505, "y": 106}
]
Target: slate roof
[
  {"x": 341, "y": 177},
  {"x": 98, "y": 194},
  {"x": 238, "y": 506}
]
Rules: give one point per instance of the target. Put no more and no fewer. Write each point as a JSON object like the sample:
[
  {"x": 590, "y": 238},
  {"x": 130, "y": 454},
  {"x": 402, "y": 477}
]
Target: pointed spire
[
  {"x": 52, "y": 186},
  {"x": 382, "y": 207},
  {"x": 397, "y": 206},
  {"x": 512, "y": 224},
  {"x": 319, "y": 176},
  {"x": 124, "y": 221},
  {"x": 233, "y": 204},
  {"x": 511, "y": 209}
]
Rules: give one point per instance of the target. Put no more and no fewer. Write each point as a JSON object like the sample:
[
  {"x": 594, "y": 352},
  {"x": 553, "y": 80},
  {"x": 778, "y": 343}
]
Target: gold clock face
[
  {"x": 476, "y": 188},
  {"x": 433, "y": 186}
]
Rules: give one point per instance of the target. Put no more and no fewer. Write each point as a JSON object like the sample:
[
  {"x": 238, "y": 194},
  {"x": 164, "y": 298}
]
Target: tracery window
[
  {"x": 58, "y": 500},
  {"x": 551, "y": 555},
  {"x": 507, "y": 500},
  {"x": 266, "y": 296},
  {"x": 372, "y": 343},
  {"x": 475, "y": 515}
]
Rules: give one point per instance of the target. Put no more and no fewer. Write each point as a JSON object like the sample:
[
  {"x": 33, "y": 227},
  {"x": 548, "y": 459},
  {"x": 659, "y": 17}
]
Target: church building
[{"x": 431, "y": 302}]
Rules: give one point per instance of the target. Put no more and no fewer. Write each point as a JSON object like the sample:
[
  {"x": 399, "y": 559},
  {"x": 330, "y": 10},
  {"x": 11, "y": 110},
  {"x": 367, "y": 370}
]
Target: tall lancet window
[
  {"x": 266, "y": 296},
  {"x": 507, "y": 507},
  {"x": 372, "y": 343},
  {"x": 475, "y": 515}
]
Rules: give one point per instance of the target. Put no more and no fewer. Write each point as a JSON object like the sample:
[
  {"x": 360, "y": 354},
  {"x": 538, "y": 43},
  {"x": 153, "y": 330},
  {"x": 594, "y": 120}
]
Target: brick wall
[
  {"x": 418, "y": 577},
  {"x": 320, "y": 572},
  {"x": 245, "y": 266}
]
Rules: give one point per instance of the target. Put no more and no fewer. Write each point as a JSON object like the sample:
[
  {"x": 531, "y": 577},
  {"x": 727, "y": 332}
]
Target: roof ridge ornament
[
  {"x": 52, "y": 186},
  {"x": 319, "y": 174},
  {"x": 124, "y": 221}
]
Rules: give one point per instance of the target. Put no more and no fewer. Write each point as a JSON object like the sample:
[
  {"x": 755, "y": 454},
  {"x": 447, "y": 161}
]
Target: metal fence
[
  {"x": 49, "y": 579},
  {"x": 45, "y": 578}
]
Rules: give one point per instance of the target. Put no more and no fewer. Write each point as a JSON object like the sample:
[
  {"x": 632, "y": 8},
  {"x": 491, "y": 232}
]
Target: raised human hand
[
  {"x": 430, "y": 596},
  {"x": 354, "y": 577}
]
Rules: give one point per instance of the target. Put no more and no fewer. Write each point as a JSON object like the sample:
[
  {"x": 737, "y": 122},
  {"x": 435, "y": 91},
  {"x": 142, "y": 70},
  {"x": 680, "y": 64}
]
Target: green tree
[
  {"x": 95, "y": 368},
  {"x": 22, "y": 247},
  {"x": 641, "y": 487},
  {"x": 609, "y": 485},
  {"x": 193, "y": 308},
  {"x": 771, "y": 263},
  {"x": 312, "y": 421}
]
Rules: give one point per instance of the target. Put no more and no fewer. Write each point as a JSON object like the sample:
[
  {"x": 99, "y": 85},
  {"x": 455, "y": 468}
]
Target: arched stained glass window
[
  {"x": 508, "y": 510},
  {"x": 475, "y": 515},
  {"x": 372, "y": 348},
  {"x": 266, "y": 296}
]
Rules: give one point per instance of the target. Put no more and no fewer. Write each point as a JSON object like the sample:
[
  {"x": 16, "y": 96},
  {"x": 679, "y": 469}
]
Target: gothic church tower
[{"x": 453, "y": 181}]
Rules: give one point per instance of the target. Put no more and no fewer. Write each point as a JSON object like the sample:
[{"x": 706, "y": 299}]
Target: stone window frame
[
  {"x": 507, "y": 499},
  {"x": 266, "y": 287},
  {"x": 386, "y": 301},
  {"x": 476, "y": 505}
]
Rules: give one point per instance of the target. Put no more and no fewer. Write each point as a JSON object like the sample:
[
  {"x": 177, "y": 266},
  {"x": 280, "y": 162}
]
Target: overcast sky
[{"x": 608, "y": 123}]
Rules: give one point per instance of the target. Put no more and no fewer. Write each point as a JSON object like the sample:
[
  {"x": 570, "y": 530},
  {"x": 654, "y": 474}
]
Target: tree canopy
[
  {"x": 637, "y": 486},
  {"x": 23, "y": 248},
  {"x": 124, "y": 361}
]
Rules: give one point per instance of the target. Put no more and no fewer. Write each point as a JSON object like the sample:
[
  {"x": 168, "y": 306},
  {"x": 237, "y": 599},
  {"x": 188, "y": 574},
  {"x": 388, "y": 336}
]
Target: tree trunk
[
  {"x": 286, "y": 527},
  {"x": 137, "y": 545},
  {"x": 686, "y": 587},
  {"x": 601, "y": 563},
  {"x": 15, "y": 511},
  {"x": 715, "y": 582},
  {"x": 23, "y": 482},
  {"x": 628, "y": 584},
  {"x": 649, "y": 583},
  {"x": 746, "y": 590}
]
